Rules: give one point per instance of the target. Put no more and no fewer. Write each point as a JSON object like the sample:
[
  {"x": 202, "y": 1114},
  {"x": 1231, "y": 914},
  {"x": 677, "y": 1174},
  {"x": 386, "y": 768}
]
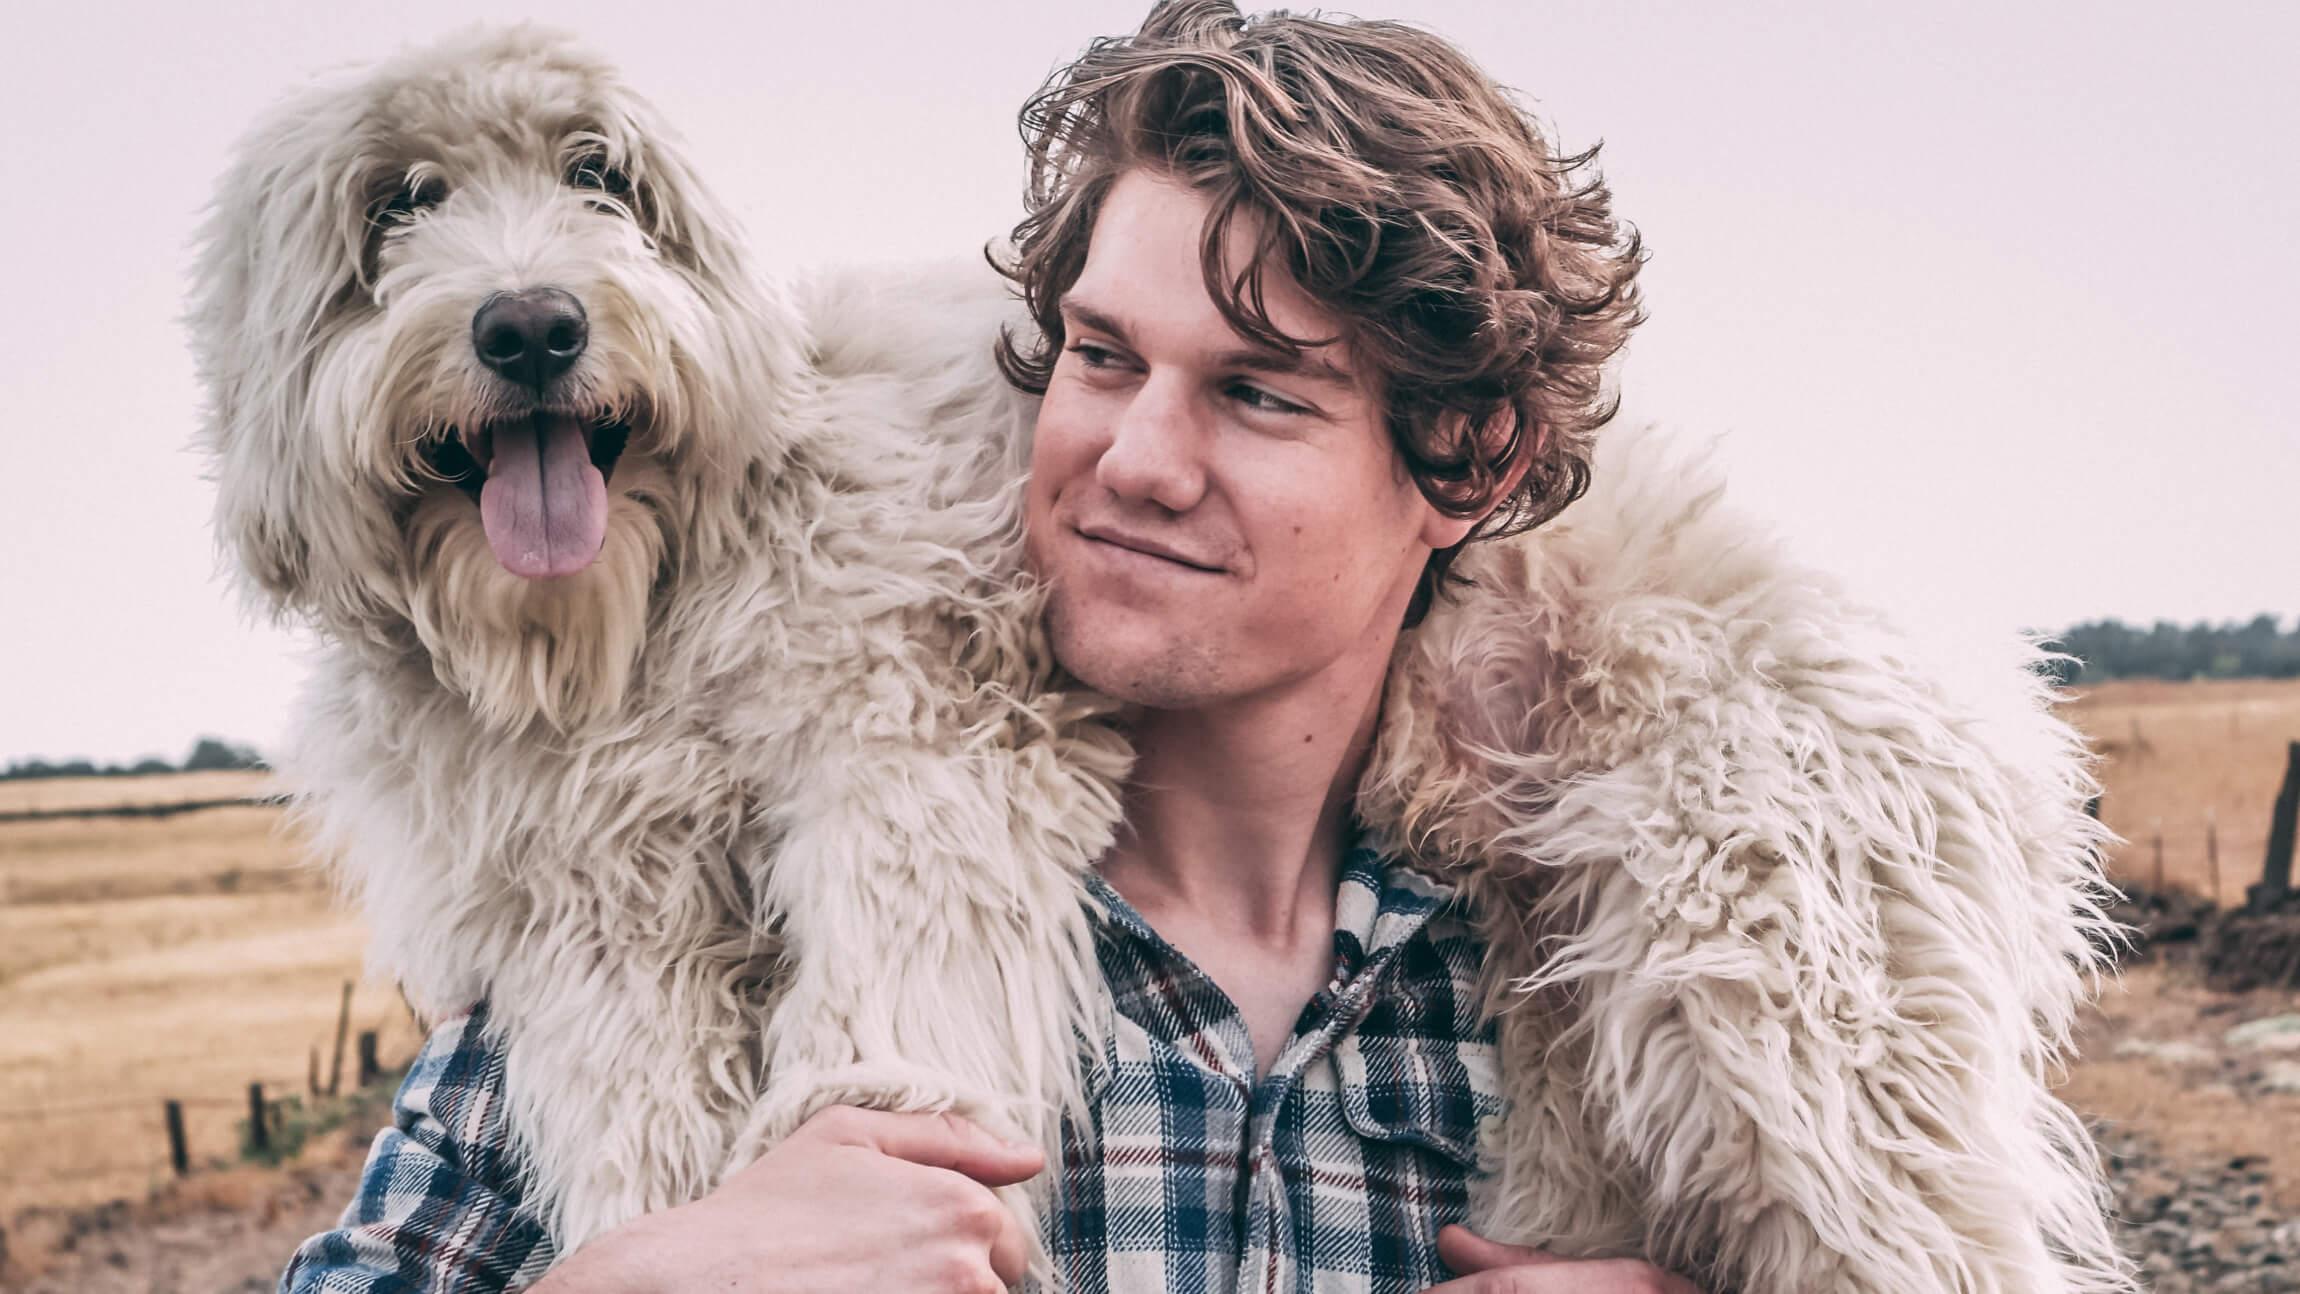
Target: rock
[
  {"x": 2174, "y": 1052},
  {"x": 2281, "y": 1076},
  {"x": 2207, "y": 1226},
  {"x": 2275, "y": 1033}
]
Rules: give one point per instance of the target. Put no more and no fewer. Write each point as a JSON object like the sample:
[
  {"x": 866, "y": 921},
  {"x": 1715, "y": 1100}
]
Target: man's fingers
[
  {"x": 934, "y": 1140},
  {"x": 1466, "y": 1253},
  {"x": 1010, "y": 1248},
  {"x": 1489, "y": 1268},
  {"x": 1555, "y": 1275}
]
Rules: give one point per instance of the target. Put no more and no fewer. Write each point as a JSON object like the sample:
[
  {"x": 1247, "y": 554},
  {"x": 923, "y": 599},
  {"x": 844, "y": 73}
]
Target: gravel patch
[{"x": 2209, "y": 1227}]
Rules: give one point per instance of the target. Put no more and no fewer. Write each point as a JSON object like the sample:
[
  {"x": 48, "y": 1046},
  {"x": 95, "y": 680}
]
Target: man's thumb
[{"x": 1466, "y": 1253}]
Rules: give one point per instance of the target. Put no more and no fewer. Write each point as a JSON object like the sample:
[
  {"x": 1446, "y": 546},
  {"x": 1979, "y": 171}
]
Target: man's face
[{"x": 1218, "y": 522}]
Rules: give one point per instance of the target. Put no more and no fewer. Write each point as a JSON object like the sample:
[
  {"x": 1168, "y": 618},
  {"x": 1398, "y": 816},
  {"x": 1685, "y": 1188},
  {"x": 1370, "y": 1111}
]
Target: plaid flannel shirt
[{"x": 1332, "y": 1173}]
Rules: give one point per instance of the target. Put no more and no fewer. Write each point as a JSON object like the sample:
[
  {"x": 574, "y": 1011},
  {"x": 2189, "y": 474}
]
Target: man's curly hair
[{"x": 1479, "y": 276}]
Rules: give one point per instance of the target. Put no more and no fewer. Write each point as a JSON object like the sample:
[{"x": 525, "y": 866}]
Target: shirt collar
[{"x": 1380, "y": 904}]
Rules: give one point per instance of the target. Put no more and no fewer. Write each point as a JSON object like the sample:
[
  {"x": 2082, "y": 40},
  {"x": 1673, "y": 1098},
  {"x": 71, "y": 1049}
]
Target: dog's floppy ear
[
  {"x": 685, "y": 223},
  {"x": 279, "y": 266}
]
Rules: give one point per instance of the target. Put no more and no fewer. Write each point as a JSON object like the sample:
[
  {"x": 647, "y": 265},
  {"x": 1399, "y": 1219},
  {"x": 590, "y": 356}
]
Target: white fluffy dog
[
  {"x": 682, "y": 697},
  {"x": 628, "y": 582}
]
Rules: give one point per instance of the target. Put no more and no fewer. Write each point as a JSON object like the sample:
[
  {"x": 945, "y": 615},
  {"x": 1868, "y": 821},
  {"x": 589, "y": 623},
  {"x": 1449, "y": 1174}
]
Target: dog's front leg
[{"x": 940, "y": 954}]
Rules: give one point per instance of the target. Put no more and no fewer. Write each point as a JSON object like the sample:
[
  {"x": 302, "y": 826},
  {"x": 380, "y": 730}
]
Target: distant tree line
[
  {"x": 208, "y": 753},
  {"x": 2106, "y": 649}
]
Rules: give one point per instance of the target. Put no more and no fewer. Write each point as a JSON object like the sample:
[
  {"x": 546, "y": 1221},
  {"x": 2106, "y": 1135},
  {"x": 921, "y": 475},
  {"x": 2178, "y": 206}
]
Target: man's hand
[
  {"x": 1489, "y": 1268},
  {"x": 853, "y": 1200}
]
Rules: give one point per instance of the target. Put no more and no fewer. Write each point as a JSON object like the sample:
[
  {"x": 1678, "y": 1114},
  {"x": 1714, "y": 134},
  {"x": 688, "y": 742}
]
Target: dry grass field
[
  {"x": 184, "y": 956},
  {"x": 67, "y": 793},
  {"x": 2189, "y": 759},
  {"x": 143, "y": 959}
]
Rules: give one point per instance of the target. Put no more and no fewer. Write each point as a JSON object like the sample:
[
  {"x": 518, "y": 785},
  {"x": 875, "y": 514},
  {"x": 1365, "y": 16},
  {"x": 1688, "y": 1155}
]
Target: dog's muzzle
[{"x": 539, "y": 475}]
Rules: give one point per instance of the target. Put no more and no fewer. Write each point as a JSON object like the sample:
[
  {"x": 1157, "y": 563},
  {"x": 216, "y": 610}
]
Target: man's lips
[{"x": 1148, "y": 547}]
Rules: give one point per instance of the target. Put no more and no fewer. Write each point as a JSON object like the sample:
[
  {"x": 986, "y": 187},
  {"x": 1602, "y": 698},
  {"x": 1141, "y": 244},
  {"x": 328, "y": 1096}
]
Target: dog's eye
[
  {"x": 395, "y": 209},
  {"x": 417, "y": 193},
  {"x": 592, "y": 170}
]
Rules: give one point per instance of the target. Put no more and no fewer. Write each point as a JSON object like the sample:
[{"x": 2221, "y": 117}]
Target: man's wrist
[{"x": 615, "y": 1263}]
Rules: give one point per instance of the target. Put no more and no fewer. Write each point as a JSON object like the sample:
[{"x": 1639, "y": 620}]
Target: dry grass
[
  {"x": 2184, "y": 755},
  {"x": 45, "y": 793},
  {"x": 142, "y": 959}
]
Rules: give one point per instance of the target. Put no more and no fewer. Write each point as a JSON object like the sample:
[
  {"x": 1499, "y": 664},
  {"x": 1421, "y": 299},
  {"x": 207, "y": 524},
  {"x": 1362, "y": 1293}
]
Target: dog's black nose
[{"x": 530, "y": 337}]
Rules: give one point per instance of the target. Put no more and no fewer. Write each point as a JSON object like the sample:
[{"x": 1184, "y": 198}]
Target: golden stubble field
[
  {"x": 2189, "y": 760},
  {"x": 143, "y": 959},
  {"x": 185, "y": 956}
]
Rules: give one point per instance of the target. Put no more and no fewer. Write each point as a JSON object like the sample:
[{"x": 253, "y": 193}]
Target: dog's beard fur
[{"x": 519, "y": 649}]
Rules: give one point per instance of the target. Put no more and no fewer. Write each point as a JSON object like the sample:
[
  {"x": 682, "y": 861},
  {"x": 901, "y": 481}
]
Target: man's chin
[{"x": 1150, "y": 670}]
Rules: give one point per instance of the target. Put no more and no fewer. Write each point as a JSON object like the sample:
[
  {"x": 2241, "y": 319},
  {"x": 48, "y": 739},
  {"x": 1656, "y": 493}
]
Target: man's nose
[{"x": 1157, "y": 448}]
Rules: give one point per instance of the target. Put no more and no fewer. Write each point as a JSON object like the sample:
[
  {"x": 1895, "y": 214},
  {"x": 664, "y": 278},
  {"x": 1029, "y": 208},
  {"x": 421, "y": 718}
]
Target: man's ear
[{"x": 1441, "y": 531}]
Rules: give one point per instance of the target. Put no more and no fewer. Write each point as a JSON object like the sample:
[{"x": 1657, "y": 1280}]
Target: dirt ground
[
  {"x": 2156, "y": 1058},
  {"x": 225, "y": 1231}
]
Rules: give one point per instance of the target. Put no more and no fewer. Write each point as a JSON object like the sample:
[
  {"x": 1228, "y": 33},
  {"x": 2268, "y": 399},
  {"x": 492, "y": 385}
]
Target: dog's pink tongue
[{"x": 544, "y": 504}]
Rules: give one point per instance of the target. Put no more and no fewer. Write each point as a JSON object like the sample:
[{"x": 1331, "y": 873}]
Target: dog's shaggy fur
[
  {"x": 777, "y": 803},
  {"x": 565, "y": 794}
]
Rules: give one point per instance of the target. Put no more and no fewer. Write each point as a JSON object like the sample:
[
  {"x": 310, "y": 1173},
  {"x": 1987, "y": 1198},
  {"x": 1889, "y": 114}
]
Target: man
[{"x": 1317, "y": 307}]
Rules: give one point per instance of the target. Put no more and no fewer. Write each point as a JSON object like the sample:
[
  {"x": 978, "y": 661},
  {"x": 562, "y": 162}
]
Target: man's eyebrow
[
  {"x": 1091, "y": 319},
  {"x": 1303, "y": 364}
]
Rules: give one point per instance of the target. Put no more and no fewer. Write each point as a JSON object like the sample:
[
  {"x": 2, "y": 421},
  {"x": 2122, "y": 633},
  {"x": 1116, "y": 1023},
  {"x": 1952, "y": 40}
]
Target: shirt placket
[
  {"x": 1271, "y": 1262},
  {"x": 1255, "y": 1176}
]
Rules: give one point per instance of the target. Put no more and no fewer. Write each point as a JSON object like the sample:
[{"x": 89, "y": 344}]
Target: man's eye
[
  {"x": 1091, "y": 355},
  {"x": 1254, "y": 397}
]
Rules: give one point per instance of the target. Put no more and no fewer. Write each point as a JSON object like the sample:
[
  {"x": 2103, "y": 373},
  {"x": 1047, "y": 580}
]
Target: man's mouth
[
  {"x": 541, "y": 484},
  {"x": 1145, "y": 546}
]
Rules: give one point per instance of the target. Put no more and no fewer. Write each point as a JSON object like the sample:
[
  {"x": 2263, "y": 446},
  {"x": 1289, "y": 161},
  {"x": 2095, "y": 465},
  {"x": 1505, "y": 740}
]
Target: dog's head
[{"x": 485, "y": 367}]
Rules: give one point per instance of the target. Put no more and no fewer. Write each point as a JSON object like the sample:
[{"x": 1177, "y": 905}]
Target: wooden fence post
[
  {"x": 259, "y": 1127},
  {"x": 369, "y": 1070},
  {"x": 2156, "y": 843},
  {"x": 178, "y": 1157},
  {"x": 2212, "y": 850},
  {"x": 342, "y": 1025},
  {"x": 2276, "y": 871}
]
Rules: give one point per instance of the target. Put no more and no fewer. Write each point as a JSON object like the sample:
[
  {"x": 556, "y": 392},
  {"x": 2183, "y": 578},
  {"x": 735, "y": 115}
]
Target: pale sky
[{"x": 1993, "y": 304}]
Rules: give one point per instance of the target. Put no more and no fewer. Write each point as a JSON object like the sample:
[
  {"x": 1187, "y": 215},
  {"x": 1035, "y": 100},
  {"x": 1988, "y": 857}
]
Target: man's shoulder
[
  {"x": 452, "y": 1098},
  {"x": 438, "y": 1206}
]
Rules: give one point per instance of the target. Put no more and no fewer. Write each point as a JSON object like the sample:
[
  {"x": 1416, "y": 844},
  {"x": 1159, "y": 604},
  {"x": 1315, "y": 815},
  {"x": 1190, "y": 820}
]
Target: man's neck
[{"x": 1239, "y": 815}]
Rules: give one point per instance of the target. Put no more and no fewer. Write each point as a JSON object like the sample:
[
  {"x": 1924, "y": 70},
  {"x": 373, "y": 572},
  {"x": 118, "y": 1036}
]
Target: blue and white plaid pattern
[
  {"x": 1333, "y": 1173},
  {"x": 438, "y": 1205}
]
